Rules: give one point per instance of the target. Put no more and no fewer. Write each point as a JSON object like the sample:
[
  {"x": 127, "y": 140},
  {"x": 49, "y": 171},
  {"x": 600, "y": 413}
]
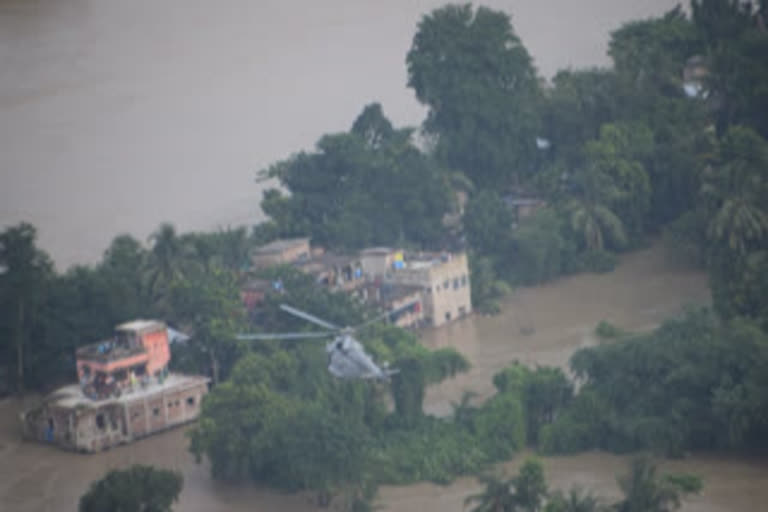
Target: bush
[
  {"x": 607, "y": 330},
  {"x": 595, "y": 261}
]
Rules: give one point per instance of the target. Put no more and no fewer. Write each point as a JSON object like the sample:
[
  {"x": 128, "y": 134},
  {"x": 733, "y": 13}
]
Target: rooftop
[
  {"x": 327, "y": 259},
  {"x": 140, "y": 325},
  {"x": 280, "y": 245},
  {"x": 72, "y": 395},
  {"x": 108, "y": 350},
  {"x": 376, "y": 250}
]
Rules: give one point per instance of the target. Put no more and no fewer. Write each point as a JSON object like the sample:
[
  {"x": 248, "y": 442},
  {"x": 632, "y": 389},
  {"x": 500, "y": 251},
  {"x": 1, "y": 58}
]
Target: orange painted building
[{"x": 139, "y": 349}]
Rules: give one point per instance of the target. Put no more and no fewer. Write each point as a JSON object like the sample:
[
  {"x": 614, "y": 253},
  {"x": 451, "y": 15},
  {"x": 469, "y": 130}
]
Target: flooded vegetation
[
  {"x": 583, "y": 256},
  {"x": 645, "y": 288}
]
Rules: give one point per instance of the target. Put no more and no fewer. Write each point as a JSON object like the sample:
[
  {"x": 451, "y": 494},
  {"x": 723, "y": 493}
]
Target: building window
[
  {"x": 456, "y": 283},
  {"x": 100, "y": 423},
  {"x": 446, "y": 284},
  {"x": 464, "y": 280},
  {"x": 448, "y": 316},
  {"x": 191, "y": 401},
  {"x": 156, "y": 411}
]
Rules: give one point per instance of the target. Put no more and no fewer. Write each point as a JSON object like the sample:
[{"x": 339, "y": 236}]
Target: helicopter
[{"x": 347, "y": 359}]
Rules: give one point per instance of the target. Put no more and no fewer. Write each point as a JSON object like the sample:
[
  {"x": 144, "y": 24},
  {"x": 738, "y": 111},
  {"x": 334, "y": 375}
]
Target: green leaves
[
  {"x": 692, "y": 384},
  {"x": 370, "y": 186},
  {"x": 137, "y": 489},
  {"x": 470, "y": 68}
]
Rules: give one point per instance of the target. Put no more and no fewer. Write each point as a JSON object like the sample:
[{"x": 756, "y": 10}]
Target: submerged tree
[
  {"x": 646, "y": 491},
  {"x": 25, "y": 272},
  {"x": 136, "y": 489}
]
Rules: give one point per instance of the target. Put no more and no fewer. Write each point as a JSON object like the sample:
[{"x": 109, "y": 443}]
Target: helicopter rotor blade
[
  {"x": 283, "y": 336},
  {"x": 309, "y": 318},
  {"x": 383, "y": 316}
]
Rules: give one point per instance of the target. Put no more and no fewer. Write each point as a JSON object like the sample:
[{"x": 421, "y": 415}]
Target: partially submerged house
[
  {"x": 441, "y": 279},
  {"x": 280, "y": 252},
  {"x": 124, "y": 392},
  {"x": 423, "y": 288},
  {"x": 522, "y": 206}
]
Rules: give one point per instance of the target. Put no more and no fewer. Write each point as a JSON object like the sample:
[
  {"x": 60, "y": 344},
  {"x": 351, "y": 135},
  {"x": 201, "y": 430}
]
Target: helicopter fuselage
[{"x": 347, "y": 359}]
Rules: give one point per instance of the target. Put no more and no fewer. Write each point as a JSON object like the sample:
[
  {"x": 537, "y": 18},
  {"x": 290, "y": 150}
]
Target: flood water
[
  {"x": 117, "y": 115},
  {"x": 645, "y": 289}
]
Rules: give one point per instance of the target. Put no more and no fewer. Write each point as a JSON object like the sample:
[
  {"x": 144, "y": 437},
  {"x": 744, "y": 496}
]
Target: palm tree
[
  {"x": 498, "y": 496},
  {"x": 463, "y": 412},
  {"x": 595, "y": 223},
  {"x": 166, "y": 261},
  {"x": 735, "y": 190},
  {"x": 645, "y": 491},
  {"x": 577, "y": 500},
  {"x": 588, "y": 214}
]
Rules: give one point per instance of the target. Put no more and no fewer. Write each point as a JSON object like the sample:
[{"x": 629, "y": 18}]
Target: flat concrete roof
[
  {"x": 72, "y": 395},
  {"x": 280, "y": 245}
]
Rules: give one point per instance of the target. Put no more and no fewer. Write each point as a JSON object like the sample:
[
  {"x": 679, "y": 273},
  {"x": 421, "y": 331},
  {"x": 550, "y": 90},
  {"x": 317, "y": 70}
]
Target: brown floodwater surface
[
  {"x": 645, "y": 289},
  {"x": 117, "y": 115}
]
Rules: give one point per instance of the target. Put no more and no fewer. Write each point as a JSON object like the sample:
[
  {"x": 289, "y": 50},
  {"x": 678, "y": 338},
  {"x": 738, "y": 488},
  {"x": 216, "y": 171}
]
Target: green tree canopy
[
  {"x": 472, "y": 71},
  {"x": 136, "y": 489},
  {"x": 367, "y": 187}
]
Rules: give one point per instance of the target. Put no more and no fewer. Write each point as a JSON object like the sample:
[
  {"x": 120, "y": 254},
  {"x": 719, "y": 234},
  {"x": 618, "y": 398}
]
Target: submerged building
[{"x": 125, "y": 392}]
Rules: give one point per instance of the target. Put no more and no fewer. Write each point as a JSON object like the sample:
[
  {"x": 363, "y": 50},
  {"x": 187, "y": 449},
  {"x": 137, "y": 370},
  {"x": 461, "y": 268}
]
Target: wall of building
[
  {"x": 294, "y": 252},
  {"x": 377, "y": 262},
  {"x": 445, "y": 285},
  {"x": 104, "y": 425},
  {"x": 156, "y": 344},
  {"x": 450, "y": 296}
]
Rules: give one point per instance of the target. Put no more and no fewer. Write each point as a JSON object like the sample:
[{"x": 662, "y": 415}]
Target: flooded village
[
  {"x": 646, "y": 288},
  {"x": 402, "y": 256}
]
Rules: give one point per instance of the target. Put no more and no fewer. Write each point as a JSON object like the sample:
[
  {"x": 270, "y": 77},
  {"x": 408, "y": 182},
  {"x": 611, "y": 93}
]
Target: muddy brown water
[
  {"x": 645, "y": 289},
  {"x": 117, "y": 115}
]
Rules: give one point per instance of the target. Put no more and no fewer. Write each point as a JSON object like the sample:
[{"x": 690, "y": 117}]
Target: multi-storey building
[
  {"x": 443, "y": 279},
  {"x": 125, "y": 392}
]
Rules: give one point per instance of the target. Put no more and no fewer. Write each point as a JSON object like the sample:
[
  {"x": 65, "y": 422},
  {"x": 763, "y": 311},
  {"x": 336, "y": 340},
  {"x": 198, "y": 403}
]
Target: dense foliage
[
  {"x": 136, "y": 489},
  {"x": 694, "y": 384},
  {"x": 370, "y": 186},
  {"x": 643, "y": 489},
  {"x": 670, "y": 139}
]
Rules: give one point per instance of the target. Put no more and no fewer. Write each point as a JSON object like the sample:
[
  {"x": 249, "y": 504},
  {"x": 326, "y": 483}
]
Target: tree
[
  {"x": 121, "y": 268},
  {"x": 167, "y": 258},
  {"x": 136, "y": 489},
  {"x": 576, "y": 106},
  {"x": 576, "y": 500},
  {"x": 23, "y": 282},
  {"x": 470, "y": 68},
  {"x": 524, "y": 492},
  {"x": 498, "y": 495},
  {"x": 735, "y": 189},
  {"x": 208, "y": 304},
  {"x": 369, "y": 186},
  {"x": 649, "y": 55},
  {"x": 530, "y": 486},
  {"x": 488, "y": 224},
  {"x": 645, "y": 491}
]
